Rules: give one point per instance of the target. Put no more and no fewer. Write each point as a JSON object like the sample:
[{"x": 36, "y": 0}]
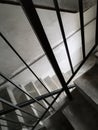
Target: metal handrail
[
  {"x": 31, "y": 101},
  {"x": 29, "y": 68},
  {"x": 18, "y": 108},
  {"x": 35, "y": 22},
  {"x": 2, "y": 75},
  {"x": 31, "y": 13},
  {"x": 37, "y": 122}
]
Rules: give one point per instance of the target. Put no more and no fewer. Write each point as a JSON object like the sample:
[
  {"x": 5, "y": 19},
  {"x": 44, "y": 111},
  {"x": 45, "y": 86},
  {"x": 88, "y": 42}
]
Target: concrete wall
[{"x": 17, "y": 30}]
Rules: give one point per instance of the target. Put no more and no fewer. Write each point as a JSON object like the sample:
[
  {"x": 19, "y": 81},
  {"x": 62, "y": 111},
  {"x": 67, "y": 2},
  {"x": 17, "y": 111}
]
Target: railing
[{"x": 31, "y": 13}]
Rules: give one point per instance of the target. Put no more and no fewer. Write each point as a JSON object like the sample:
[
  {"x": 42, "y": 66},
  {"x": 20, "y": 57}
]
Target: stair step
[
  {"x": 31, "y": 89},
  {"x": 21, "y": 98},
  {"x": 51, "y": 83},
  {"x": 41, "y": 90},
  {"x": 88, "y": 85},
  {"x": 81, "y": 114},
  {"x": 57, "y": 122}
]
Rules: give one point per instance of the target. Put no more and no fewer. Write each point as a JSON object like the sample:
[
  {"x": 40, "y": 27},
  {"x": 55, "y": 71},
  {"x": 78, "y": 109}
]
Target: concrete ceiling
[{"x": 68, "y": 5}]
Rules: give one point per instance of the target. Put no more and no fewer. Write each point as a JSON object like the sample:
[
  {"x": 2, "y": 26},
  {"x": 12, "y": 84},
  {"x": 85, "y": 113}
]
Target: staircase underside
[{"x": 64, "y": 5}]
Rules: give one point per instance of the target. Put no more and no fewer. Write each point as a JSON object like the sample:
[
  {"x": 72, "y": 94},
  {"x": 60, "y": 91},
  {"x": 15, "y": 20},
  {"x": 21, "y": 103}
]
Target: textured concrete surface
[
  {"x": 87, "y": 65},
  {"x": 57, "y": 122},
  {"x": 31, "y": 89},
  {"x": 88, "y": 83},
  {"x": 68, "y": 5},
  {"x": 22, "y": 98},
  {"x": 81, "y": 114}
]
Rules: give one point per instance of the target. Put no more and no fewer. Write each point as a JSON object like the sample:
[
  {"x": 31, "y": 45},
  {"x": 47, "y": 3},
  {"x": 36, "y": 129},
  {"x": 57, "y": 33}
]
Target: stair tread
[
  {"x": 88, "y": 83},
  {"x": 19, "y": 99},
  {"x": 81, "y": 114},
  {"x": 41, "y": 90}
]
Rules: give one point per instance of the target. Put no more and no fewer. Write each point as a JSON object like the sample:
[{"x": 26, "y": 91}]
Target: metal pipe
[
  {"x": 63, "y": 33},
  {"x": 2, "y": 75},
  {"x": 49, "y": 104},
  {"x": 14, "y": 106},
  {"x": 82, "y": 26},
  {"x": 26, "y": 103},
  {"x": 7, "y": 42},
  {"x": 35, "y": 22}
]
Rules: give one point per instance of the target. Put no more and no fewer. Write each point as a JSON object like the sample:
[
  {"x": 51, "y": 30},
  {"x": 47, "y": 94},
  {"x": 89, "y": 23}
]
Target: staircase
[
  {"x": 82, "y": 112},
  {"x": 15, "y": 96},
  {"x": 79, "y": 114}
]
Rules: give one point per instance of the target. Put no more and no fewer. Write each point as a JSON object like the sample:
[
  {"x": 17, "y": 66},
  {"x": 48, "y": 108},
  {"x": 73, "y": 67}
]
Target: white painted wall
[{"x": 17, "y": 30}]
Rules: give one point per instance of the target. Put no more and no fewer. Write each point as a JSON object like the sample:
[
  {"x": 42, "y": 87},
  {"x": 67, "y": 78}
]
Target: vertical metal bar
[
  {"x": 2, "y": 75},
  {"x": 63, "y": 33},
  {"x": 96, "y": 35},
  {"x": 7, "y": 42},
  {"x": 35, "y": 22},
  {"x": 82, "y": 26}
]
